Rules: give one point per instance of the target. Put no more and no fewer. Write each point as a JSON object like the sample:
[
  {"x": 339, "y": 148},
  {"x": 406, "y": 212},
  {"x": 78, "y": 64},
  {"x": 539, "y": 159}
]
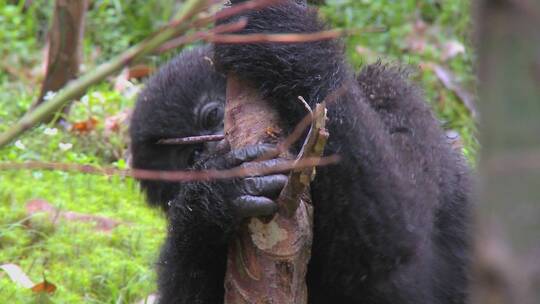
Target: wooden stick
[
  {"x": 267, "y": 261},
  {"x": 191, "y": 140},
  {"x": 174, "y": 176}
]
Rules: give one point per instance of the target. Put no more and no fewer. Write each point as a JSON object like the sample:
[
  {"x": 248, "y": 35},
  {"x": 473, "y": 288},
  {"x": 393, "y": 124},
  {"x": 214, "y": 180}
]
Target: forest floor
[{"x": 92, "y": 236}]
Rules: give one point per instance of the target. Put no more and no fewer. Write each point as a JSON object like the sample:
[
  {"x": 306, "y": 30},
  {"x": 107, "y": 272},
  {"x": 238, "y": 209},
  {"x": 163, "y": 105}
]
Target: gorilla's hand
[
  {"x": 283, "y": 71},
  {"x": 248, "y": 196}
]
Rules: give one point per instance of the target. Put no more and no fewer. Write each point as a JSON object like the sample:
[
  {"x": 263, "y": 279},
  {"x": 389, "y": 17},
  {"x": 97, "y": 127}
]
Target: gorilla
[{"x": 391, "y": 219}]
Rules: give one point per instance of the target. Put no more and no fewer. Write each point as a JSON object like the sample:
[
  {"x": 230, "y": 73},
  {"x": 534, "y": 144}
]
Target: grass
[
  {"x": 87, "y": 265},
  {"x": 92, "y": 266}
]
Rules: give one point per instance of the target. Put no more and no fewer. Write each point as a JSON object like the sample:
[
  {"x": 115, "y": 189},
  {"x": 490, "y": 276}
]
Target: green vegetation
[
  {"x": 419, "y": 33},
  {"x": 93, "y": 266}
]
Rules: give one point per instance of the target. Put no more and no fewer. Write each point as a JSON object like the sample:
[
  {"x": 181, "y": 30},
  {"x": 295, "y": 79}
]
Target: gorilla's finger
[
  {"x": 268, "y": 186},
  {"x": 248, "y": 153},
  {"x": 265, "y": 164},
  {"x": 250, "y": 206}
]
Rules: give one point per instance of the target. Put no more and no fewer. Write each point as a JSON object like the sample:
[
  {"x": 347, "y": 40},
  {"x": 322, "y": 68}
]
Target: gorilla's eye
[{"x": 211, "y": 116}]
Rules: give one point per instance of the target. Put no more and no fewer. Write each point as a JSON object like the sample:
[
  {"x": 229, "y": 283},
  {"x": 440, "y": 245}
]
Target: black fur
[
  {"x": 167, "y": 108},
  {"x": 391, "y": 219}
]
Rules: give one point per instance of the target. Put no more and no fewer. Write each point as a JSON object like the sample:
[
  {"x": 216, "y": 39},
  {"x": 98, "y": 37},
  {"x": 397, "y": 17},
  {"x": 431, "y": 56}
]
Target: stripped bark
[{"x": 267, "y": 261}]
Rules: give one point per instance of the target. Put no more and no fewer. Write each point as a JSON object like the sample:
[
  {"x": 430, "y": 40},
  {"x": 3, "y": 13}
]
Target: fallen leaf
[
  {"x": 101, "y": 223},
  {"x": 113, "y": 123},
  {"x": 17, "y": 275},
  {"x": 122, "y": 82},
  {"x": 39, "y": 205},
  {"x": 45, "y": 287},
  {"x": 150, "y": 299},
  {"x": 84, "y": 126},
  {"x": 451, "y": 49}
]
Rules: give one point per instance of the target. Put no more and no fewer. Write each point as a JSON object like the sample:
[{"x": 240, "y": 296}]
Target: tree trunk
[
  {"x": 508, "y": 249},
  {"x": 267, "y": 262},
  {"x": 65, "y": 43}
]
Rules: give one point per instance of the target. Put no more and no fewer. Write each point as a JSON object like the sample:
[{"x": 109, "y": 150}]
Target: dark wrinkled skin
[{"x": 391, "y": 219}]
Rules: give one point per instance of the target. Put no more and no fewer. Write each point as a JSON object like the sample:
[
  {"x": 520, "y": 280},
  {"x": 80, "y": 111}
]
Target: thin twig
[
  {"x": 176, "y": 176},
  {"x": 220, "y": 29},
  {"x": 192, "y": 140},
  {"x": 276, "y": 38},
  {"x": 218, "y": 34},
  {"x": 301, "y": 127},
  {"x": 286, "y": 37}
]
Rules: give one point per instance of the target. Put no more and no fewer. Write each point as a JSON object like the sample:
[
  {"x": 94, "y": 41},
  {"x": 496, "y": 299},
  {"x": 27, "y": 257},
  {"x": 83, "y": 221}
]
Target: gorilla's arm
[
  {"x": 193, "y": 257},
  {"x": 203, "y": 217},
  {"x": 370, "y": 219}
]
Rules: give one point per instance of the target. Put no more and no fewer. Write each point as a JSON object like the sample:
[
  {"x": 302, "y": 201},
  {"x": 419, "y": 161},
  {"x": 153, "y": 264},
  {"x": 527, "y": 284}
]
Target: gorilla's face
[
  {"x": 159, "y": 144},
  {"x": 207, "y": 120},
  {"x": 185, "y": 98}
]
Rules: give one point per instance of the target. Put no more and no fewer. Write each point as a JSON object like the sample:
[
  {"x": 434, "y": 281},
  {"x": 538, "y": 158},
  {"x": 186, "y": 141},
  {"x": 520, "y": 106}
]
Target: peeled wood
[{"x": 267, "y": 261}]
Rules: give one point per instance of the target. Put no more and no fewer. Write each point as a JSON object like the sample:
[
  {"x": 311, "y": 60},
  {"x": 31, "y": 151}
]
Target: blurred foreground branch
[
  {"x": 184, "y": 21},
  {"x": 507, "y": 241},
  {"x": 175, "y": 176},
  {"x": 171, "y": 36},
  {"x": 76, "y": 87}
]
